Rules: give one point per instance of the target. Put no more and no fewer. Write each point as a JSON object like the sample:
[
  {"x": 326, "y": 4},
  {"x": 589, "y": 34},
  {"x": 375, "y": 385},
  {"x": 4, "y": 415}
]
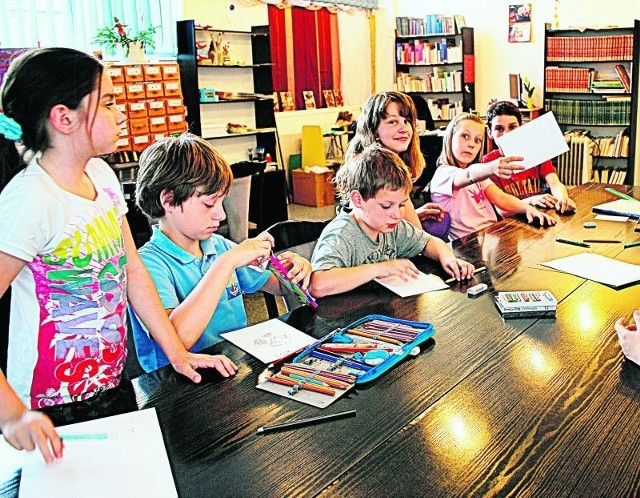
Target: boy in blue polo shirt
[{"x": 200, "y": 275}]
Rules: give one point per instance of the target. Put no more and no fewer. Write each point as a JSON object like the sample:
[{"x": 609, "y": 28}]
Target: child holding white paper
[
  {"x": 200, "y": 275},
  {"x": 373, "y": 240},
  {"x": 528, "y": 185},
  {"x": 463, "y": 187}
]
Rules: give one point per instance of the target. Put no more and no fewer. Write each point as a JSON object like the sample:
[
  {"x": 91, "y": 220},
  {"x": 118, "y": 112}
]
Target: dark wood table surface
[{"x": 527, "y": 407}]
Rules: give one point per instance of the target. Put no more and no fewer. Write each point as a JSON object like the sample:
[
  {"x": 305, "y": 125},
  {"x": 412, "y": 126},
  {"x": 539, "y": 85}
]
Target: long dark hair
[
  {"x": 373, "y": 112},
  {"x": 35, "y": 82}
]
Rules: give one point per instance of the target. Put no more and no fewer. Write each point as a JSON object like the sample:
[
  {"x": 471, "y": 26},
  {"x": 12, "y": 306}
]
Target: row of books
[
  {"x": 590, "y": 112},
  {"x": 442, "y": 109},
  {"x": 586, "y": 80},
  {"x": 439, "y": 81},
  {"x": 617, "y": 146},
  {"x": 590, "y": 48},
  {"x": 424, "y": 52},
  {"x": 609, "y": 175},
  {"x": 431, "y": 24}
]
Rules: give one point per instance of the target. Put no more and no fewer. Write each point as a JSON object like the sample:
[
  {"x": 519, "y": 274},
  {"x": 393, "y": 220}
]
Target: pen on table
[
  {"x": 280, "y": 361},
  {"x": 632, "y": 244},
  {"x": 306, "y": 421},
  {"x": 601, "y": 241},
  {"x": 573, "y": 242},
  {"x": 478, "y": 270},
  {"x": 620, "y": 194},
  {"x": 83, "y": 437}
]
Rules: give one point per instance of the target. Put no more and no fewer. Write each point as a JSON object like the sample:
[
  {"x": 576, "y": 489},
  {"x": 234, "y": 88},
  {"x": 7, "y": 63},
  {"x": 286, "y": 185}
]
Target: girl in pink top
[{"x": 462, "y": 186}]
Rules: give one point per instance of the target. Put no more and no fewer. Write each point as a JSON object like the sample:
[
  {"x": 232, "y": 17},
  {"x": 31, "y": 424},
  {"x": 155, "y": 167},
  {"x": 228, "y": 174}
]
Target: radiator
[{"x": 575, "y": 166}]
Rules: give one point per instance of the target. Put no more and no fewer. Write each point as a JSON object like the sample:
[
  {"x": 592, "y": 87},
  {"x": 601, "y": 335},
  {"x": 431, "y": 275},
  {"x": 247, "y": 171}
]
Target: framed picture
[
  {"x": 520, "y": 23},
  {"x": 337, "y": 97},
  {"x": 287, "y": 101},
  {"x": 309, "y": 99},
  {"x": 276, "y": 102},
  {"x": 328, "y": 98}
]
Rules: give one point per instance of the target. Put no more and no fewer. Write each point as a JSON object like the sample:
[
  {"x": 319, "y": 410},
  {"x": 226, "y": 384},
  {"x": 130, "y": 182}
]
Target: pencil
[
  {"x": 283, "y": 359},
  {"x": 378, "y": 337},
  {"x": 573, "y": 242},
  {"x": 619, "y": 194},
  {"x": 478, "y": 270},
  {"x": 286, "y": 381},
  {"x": 306, "y": 421},
  {"x": 632, "y": 244},
  {"x": 601, "y": 241}
]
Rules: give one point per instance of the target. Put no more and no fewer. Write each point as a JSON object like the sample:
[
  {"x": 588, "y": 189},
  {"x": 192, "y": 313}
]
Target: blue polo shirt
[{"x": 175, "y": 273}]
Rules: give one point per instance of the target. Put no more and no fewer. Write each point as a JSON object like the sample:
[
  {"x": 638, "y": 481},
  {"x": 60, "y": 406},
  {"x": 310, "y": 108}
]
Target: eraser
[
  {"x": 589, "y": 224},
  {"x": 476, "y": 289}
]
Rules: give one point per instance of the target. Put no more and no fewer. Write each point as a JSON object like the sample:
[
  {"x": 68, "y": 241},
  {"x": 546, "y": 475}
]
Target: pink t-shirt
[{"x": 470, "y": 210}]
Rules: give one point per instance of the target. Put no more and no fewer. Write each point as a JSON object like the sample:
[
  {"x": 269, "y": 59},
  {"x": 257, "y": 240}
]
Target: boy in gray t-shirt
[{"x": 373, "y": 240}]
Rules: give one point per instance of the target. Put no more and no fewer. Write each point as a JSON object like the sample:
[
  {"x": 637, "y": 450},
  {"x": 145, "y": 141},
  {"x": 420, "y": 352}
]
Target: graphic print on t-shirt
[{"x": 80, "y": 287}]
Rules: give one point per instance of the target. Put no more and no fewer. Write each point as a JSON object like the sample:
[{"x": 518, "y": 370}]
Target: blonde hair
[
  {"x": 446, "y": 157},
  {"x": 371, "y": 170}
]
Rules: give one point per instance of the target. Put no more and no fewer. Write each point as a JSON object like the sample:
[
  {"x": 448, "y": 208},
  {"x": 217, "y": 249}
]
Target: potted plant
[
  {"x": 529, "y": 88},
  {"x": 118, "y": 36}
]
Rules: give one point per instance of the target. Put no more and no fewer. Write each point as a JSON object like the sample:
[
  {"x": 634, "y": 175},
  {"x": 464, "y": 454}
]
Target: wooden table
[{"x": 533, "y": 407}]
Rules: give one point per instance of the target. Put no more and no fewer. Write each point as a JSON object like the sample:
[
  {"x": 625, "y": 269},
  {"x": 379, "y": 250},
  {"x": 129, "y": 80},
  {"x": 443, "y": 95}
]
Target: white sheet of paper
[
  {"x": 123, "y": 455},
  {"x": 597, "y": 268},
  {"x": 537, "y": 141},
  {"x": 269, "y": 341},
  {"x": 609, "y": 217},
  {"x": 619, "y": 207},
  {"x": 424, "y": 283}
]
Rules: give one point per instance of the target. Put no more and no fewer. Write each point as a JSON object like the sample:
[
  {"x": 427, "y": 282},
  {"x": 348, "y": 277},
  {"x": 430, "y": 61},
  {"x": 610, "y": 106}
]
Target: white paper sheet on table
[
  {"x": 609, "y": 217},
  {"x": 123, "y": 455},
  {"x": 537, "y": 141},
  {"x": 423, "y": 283},
  {"x": 269, "y": 341},
  {"x": 597, "y": 268}
]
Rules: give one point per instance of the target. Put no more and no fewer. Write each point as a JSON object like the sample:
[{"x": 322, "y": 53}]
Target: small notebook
[{"x": 620, "y": 207}]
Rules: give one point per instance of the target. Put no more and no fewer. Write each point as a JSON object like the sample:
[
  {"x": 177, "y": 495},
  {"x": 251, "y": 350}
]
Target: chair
[
  {"x": 423, "y": 112},
  {"x": 295, "y": 236},
  {"x": 313, "y": 153},
  {"x": 236, "y": 203}
]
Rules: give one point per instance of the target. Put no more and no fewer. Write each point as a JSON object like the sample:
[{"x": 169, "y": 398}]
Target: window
[{"x": 73, "y": 23}]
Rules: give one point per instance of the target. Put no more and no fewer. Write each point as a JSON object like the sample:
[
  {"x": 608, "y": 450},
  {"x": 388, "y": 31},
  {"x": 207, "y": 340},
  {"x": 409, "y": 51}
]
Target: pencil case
[{"x": 379, "y": 343}]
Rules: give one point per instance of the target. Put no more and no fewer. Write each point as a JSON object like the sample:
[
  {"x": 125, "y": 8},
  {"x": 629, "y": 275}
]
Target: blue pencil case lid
[{"x": 368, "y": 347}]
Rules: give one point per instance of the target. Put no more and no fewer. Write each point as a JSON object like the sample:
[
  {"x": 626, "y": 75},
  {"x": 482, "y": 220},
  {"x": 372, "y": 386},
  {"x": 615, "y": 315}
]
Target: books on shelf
[
  {"x": 568, "y": 79},
  {"x": 431, "y": 24},
  {"x": 424, "y": 52},
  {"x": 437, "y": 82},
  {"x": 622, "y": 73},
  {"x": 590, "y": 112},
  {"x": 590, "y": 48}
]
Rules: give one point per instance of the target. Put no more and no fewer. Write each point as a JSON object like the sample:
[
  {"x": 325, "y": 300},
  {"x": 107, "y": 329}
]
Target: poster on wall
[{"x": 520, "y": 23}]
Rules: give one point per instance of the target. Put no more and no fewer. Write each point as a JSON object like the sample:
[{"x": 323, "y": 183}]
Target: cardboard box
[{"x": 311, "y": 189}]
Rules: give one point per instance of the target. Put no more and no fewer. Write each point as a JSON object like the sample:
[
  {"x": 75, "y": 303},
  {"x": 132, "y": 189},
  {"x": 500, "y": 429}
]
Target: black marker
[{"x": 573, "y": 242}]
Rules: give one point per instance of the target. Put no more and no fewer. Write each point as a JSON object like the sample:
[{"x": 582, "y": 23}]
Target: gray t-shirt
[{"x": 343, "y": 244}]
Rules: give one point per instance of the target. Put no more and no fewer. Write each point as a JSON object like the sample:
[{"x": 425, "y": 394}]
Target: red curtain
[{"x": 314, "y": 35}]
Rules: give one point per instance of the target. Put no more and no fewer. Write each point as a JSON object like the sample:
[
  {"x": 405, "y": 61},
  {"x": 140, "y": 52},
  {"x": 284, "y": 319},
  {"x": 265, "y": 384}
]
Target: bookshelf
[
  {"x": 584, "y": 87},
  {"x": 440, "y": 67},
  {"x": 236, "y": 89}
]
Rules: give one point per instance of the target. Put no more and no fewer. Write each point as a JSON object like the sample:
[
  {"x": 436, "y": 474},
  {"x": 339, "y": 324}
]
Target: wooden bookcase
[
  {"x": 573, "y": 60},
  {"x": 440, "y": 68}
]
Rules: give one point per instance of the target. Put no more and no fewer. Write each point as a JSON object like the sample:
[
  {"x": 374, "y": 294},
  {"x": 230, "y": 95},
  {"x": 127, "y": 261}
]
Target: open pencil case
[
  {"x": 398, "y": 338},
  {"x": 358, "y": 353}
]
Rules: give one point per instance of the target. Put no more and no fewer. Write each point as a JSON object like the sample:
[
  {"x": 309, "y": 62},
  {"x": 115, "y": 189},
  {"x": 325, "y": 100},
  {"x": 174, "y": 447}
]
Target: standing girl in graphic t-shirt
[
  {"x": 462, "y": 187},
  {"x": 66, "y": 248}
]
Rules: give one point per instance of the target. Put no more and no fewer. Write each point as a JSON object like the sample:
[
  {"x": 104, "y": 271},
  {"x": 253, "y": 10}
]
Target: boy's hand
[
  {"x": 431, "y": 211},
  {"x": 33, "y": 429},
  {"x": 401, "y": 269},
  {"x": 545, "y": 201},
  {"x": 299, "y": 268},
  {"x": 252, "y": 251},
  {"x": 629, "y": 338},
  {"x": 504, "y": 167},
  {"x": 456, "y": 267},
  {"x": 534, "y": 215},
  {"x": 191, "y": 361},
  {"x": 565, "y": 204}
]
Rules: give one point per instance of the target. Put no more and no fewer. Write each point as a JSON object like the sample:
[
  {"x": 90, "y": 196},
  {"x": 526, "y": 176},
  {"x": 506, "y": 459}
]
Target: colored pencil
[
  {"x": 286, "y": 381},
  {"x": 632, "y": 244},
  {"x": 377, "y": 337},
  {"x": 620, "y": 194},
  {"x": 478, "y": 270},
  {"x": 601, "y": 241},
  {"x": 306, "y": 421},
  {"x": 573, "y": 242}
]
